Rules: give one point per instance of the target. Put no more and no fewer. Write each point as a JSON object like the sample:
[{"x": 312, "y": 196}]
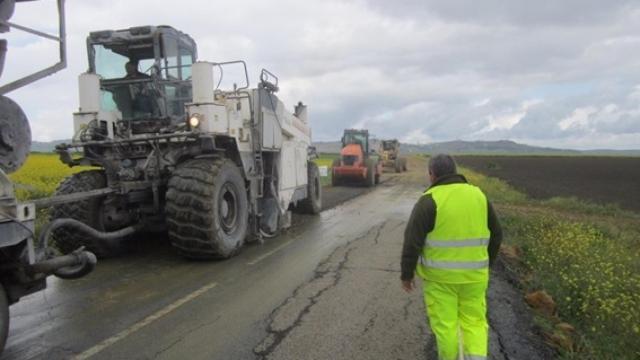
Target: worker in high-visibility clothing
[{"x": 452, "y": 238}]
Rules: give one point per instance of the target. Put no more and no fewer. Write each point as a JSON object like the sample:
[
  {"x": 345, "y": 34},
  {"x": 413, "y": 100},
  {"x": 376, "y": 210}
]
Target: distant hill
[
  {"x": 484, "y": 147},
  {"x": 506, "y": 147},
  {"x": 39, "y": 146},
  {"x": 451, "y": 147}
]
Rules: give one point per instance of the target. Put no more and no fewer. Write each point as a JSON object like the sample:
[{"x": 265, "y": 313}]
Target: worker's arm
[
  {"x": 496, "y": 234},
  {"x": 420, "y": 223}
]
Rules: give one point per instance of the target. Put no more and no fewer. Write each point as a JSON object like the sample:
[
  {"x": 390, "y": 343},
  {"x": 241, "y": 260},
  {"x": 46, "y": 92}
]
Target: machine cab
[
  {"x": 358, "y": 137},
  {"x": 355, "y": 146},
  {"x": 389, "y": 145},
  {"x": 145, "y": 75}
]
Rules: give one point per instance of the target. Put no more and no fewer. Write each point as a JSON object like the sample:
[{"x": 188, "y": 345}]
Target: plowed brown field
[{"x": 601, "y": 180}]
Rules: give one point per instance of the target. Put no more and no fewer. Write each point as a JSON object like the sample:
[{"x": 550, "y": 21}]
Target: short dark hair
[{"x": 441, "y": 165}]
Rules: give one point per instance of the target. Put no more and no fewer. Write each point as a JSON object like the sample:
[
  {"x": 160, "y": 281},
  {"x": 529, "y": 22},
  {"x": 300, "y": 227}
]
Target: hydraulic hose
[
  {"x": 71, "y": 266},
  {"x": 87, "y": 262},
  {"x": 78, "y": 263},
  {"x": 109, "y": 237}
]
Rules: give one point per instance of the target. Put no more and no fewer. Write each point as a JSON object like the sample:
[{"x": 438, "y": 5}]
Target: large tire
[
  {"x": 207, "y": 209},
  {"x": 15, "y": 135},
  {"x": 4, "y": 318},
  {"x": 87, "y": 211},
  {"x": 397, "y": 165},
  {"x": 335, "y": 180},
  {"x": 370, "y": 180},
  {"x": 313, "y": 203}
]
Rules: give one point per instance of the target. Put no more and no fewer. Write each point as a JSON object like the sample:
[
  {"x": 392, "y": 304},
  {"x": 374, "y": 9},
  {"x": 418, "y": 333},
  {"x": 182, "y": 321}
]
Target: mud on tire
[
  {"x": 397, "y": 165},
  {"x": 313, "y": 203},
  {"x": 4, "y": 318},
  {"x": 335, "y": 181},
  {"x": 88, "y": 211},
  {"x": 370, "y": 180},
  {"x": 207, "y": 209}
]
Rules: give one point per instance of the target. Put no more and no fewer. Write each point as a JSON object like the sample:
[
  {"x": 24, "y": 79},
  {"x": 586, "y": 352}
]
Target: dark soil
[{"x": 602, "y": 180}]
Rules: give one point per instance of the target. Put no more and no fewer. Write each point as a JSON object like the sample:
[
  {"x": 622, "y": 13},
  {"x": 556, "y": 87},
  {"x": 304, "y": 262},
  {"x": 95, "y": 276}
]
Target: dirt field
[{"x": 601, "y": 180}]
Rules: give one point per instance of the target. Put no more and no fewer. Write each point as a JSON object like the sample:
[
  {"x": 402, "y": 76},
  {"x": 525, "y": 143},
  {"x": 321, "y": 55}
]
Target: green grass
[
  {"x": 587, "y": 256},
  {"x": 497, "y": 190}
]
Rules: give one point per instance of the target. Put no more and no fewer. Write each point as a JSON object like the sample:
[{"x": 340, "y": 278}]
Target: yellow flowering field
[
  {"x": 586, "y": 257},
  {"x": 40, "y": 176},
  {"x": 593, "y": 277}
]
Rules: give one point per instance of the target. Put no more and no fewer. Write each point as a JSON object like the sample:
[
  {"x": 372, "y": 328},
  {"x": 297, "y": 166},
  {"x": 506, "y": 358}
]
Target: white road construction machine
[{"x": 175, "y": 152}]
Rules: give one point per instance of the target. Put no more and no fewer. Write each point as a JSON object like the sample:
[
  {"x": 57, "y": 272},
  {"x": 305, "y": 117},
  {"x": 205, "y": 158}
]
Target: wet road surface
[{"x": 326, "y": 289}]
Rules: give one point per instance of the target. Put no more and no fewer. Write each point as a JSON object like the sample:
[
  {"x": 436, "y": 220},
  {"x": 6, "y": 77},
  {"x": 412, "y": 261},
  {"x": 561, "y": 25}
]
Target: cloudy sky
[{"x": 553, "y": 73}]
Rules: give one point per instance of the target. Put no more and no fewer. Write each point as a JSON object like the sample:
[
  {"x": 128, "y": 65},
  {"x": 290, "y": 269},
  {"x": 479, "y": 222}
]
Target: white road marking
[
  {"x": 146, "y": 321},
  {"x": 266, "y": 255}
]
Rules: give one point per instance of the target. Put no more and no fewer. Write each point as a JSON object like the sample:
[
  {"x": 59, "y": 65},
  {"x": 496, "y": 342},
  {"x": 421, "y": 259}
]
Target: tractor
[
  {"x": 390, "y": 153},
  {"x": 357, "y": 163},
  {"x": 174, "y": 152}
]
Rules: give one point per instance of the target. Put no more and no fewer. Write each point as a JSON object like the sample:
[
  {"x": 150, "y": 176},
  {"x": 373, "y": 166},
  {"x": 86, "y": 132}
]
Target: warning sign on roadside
[{"x": 323, "y": 171}]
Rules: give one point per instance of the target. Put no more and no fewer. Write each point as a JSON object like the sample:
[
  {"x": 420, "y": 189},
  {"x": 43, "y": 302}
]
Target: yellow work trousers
[{"x": 458, "y": 306}]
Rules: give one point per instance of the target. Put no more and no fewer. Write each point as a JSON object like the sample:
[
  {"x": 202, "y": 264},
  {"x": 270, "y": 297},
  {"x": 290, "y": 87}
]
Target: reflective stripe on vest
[
  {"x": 474, "y": 357},
  {"x": 463, "y": 265},
  {"x": 458, "y": 243},
  {"x": 455, "y": 250}
]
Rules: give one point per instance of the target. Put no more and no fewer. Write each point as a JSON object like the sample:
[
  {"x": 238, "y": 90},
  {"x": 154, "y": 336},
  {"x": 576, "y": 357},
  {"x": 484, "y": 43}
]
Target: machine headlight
[{"x": 194, "y": 121}]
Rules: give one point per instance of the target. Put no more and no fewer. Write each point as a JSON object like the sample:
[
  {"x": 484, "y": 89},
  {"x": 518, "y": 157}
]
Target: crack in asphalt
[
  {"x": 398, "y": 225},
  {"x": 277, "y": 336},
  {"x": 372, "y": 269},
  {"x": 501, "y": 344},
  {"x": 370, "y": 323},
  {"x": 405, "y": 308},
  {"x": 375, "y": 239}
]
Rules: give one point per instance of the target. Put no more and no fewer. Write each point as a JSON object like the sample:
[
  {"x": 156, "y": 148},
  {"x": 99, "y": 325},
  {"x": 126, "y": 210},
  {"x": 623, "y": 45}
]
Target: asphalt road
[{"x": 326, "y": 289}]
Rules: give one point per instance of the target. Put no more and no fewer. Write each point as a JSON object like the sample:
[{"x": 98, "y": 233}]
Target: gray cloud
[
  {"x": 559, "y": 73},
  {"x": 515, "y": 12}
]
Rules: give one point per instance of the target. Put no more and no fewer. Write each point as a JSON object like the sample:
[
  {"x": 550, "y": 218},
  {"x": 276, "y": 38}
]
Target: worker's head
[
  {"x": 131, "y": 67},
  {"x": 441, "y": 165}
]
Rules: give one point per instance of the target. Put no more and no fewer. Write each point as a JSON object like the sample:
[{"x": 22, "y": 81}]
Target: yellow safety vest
[{"x": 455, "y": 250}]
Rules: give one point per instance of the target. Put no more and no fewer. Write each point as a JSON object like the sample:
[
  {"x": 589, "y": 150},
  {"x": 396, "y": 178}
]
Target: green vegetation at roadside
[{"x": 586, "y": 256}]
